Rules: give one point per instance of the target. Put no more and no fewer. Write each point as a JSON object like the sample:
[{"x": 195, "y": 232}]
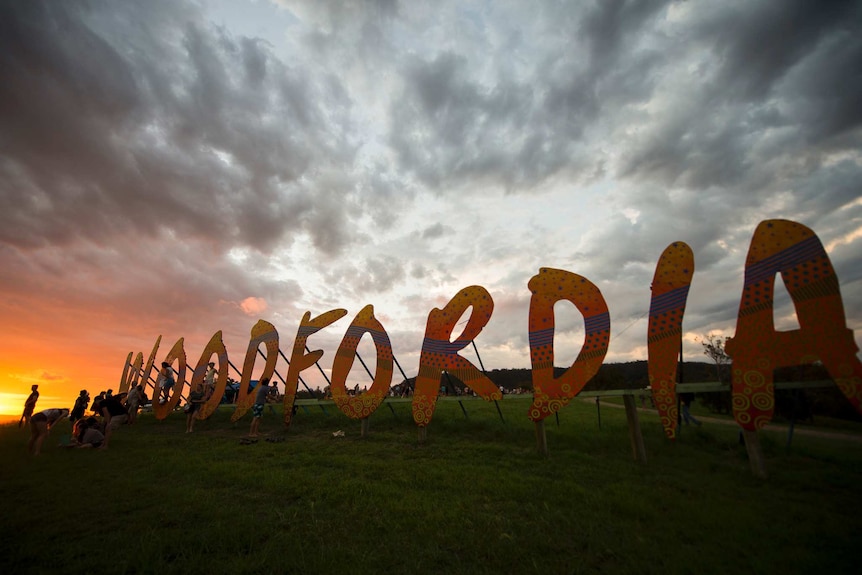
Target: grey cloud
[
  {"x": 619, "y": 244},
  {"x": 759, "y": 44},
  {"x": 383, "y": 195},
  {"x": 383, "y": 273},
  {"x": 418, "y": 271},
  {"x": 375, "y": 275},
  {"x": 435, "y": 231},
  {"x": 327, "y": 227},
  {"x": 826, "y": 189},
  {"x": 254, "y": 60},
  {"x": 779, "y": 87},
  {"x": 171, "y": 127},
  {"x": 582, "y": 84},
  {"x": 151, "y": 284},
  {"x": 611, "y": 24},
  {"x": 821, "y": 90},
  {"x": 694, "y": 152},
  {"x": 447, "y": 129},
  {"x": 517, "y": 131}
]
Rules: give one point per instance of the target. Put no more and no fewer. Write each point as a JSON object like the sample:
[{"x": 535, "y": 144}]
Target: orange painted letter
[
  {"x": 364, "y": 405},
  {"x": 757, "y": 349},
  {"x": 439, "y": 354},
  {"x": 550, "y": 286},
  {"x": 265, "y": 333},
  {"x": 177, "y": 353},
  {"x": 215, "y": 346},
  {"x": 670, "y": 285},
  {"x": 299, "y": 360}
]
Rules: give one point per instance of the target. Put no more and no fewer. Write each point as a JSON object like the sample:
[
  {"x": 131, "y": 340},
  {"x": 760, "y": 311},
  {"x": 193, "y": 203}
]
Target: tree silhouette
[{"x": 713, "y": 346}]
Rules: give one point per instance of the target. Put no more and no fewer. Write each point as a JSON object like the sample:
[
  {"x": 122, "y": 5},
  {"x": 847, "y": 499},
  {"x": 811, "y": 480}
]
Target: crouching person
[
  {"x": 87, "y": 434},
  {"x": 40, "y": 424}
]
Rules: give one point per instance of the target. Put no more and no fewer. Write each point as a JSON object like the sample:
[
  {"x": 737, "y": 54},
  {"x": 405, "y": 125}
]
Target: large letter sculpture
[
  {"x": 670, "y": 285},
  {"x": 177, "y": 353},
  {"x": 214, "y": 347},
  {"x": 265, "y": 333},
  {"x": 299, "y": 360},
  {"x": 757, "y": 349},
  {"x": 364, "y": 405},
  {"x": 145, "y": 374},
  {"x": 439, "y": 354},
  {"x": 131, "y": 372},
  {"x": 548, "y": 287}
]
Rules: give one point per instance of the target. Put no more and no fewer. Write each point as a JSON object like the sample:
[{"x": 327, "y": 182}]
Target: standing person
[
  {"x": 40, "y": 424},
  {"x": 210, "y": 381},
  {"x": 94, "y": 407},
  {"x": 133, "y": 401},
  {"x": 114, "y": 414},
  {"x": 259, "y": 403},
  {"x": 29, "y": 405},
  {"x": 80, "y": 406},
  {"x": 166, "y": 381},
  {"x": 686, "y": 399},
  {"x": 196, "y": 400}
]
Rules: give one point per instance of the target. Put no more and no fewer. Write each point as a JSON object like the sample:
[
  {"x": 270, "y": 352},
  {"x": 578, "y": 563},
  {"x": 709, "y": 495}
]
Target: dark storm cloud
[
  {"x": 603, "y": 67},
  {"x": 157, "y": 123},
  {"x": 717, "y": 101},
  {"x": 778, "y": 80},
  {"x": 453, "y": 127},
  {"x": 758, "y": 45},
  {"x": 451, "y": 130}
]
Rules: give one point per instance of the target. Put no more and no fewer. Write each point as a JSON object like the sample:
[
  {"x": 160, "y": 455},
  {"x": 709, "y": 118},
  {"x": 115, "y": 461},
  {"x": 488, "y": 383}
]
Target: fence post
[
  {"x": 541, "y": 438},
  {"x": 599, "y": 411},
  {"x": 755, "y": 453},
  {"x": 635, "y": 435}
]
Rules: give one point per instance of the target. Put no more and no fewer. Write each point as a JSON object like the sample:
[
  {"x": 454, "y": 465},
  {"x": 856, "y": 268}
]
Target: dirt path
[{"x": 772, "y": 427}]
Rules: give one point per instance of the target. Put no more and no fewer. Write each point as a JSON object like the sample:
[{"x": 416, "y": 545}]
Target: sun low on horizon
[{"x": 60, "y": 379}]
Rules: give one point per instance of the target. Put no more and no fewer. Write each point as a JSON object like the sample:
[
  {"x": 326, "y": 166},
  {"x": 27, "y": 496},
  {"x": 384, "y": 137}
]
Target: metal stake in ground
[{"x": 476, "y": 349}]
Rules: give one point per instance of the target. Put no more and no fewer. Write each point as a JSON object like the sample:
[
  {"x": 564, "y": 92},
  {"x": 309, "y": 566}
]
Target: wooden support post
[
  {"x": 423, "y": 434},
  {"x": 635, "y": 435},
  {"x": 364, "y": 430},
  {"x": 541, "y": 438},
  {"x": 599, "y": 411},
  {"x": 755, "y": 454}
]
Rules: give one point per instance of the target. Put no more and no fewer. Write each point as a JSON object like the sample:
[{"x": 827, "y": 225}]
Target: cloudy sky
[{"x": 176, "y": 168}]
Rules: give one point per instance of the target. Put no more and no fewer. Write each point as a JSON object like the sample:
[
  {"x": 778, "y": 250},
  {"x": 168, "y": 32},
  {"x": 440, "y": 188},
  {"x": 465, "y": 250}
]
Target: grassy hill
[{"x": 476, "y": 498}]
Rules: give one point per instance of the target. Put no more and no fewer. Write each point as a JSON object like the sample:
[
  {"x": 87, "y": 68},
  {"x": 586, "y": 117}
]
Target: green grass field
[{"x": 476, "y": 498}]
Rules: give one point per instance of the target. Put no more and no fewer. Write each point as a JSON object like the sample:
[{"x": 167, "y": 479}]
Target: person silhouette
[
  {"x": 257, "y": 408},
  {"x": 40, "y": 424},
  {"x": 29, "y": 406},
  {"x": 686, "y": 399}
]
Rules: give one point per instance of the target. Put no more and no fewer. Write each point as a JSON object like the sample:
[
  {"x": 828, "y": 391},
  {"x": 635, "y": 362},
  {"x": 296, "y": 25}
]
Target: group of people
[{"x": 110, "y": 411}]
